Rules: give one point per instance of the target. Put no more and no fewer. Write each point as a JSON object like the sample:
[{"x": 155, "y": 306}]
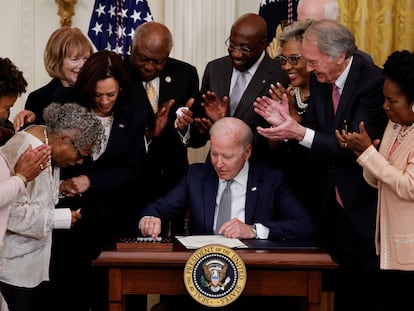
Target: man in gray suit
[{"x": 247, "y": 58}]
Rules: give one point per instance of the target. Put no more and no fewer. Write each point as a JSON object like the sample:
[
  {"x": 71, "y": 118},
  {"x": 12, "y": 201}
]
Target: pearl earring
[{"x": 412, "y": 108}]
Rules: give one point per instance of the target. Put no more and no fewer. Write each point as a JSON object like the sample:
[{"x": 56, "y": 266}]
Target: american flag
[
  {"x": 113, "y": 23},
  {"x": 277, "y": 12}
]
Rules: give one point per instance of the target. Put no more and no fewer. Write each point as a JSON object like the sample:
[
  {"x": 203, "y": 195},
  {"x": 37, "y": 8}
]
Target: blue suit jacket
[
  {"x": 361, "y": 100},
  {"x": 268, "y": 201}
]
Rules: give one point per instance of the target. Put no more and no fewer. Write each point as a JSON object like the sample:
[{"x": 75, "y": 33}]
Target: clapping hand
[
  {"x": 184, "y": 116},
  {"x": 357, "y": 142},
  {"x": 214, "y": 107},
  {"x": 276, "y": 113},
  {"x": 161, "y": 117},
  {"x": 273, "y": 111},
  {"x": 276, "y": 92}
]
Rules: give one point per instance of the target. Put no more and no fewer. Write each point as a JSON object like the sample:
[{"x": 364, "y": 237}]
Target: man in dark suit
[
  {"x": 261, "y": 206},
  {"x": 322, "y": 9},
  {"x": 175, "y": 84},
  {"x": 348, "y": 204},
  {"x": 247, "y": 57}
]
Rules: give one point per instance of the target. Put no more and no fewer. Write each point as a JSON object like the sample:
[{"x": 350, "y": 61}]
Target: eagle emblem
[{"x": 214, "y": 274}]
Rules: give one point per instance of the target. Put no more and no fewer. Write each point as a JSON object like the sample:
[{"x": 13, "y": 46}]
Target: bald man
[
  {"x": 174, "y": 84},
  {"x": 317, "y": 9},
  {"x": 246, "y": 57}
]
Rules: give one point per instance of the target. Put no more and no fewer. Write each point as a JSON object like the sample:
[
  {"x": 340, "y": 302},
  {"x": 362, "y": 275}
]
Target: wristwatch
[{"x": 253, "y": 227}]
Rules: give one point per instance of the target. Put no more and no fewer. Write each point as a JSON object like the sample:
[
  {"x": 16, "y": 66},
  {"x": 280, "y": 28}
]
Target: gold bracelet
[{"x": 22, "y": 177}]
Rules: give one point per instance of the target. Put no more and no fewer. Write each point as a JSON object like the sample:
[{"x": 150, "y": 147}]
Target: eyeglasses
[
  {"x": 147, "y": 60},
  {"x": 292, "y": 59},
  {"x": 79, "y": 155},
  {"x": 231, "y": 46}
]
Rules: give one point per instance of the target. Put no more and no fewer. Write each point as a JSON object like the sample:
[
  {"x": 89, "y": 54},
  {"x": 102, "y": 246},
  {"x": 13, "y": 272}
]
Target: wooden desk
[{"x": 269, "y": 273}]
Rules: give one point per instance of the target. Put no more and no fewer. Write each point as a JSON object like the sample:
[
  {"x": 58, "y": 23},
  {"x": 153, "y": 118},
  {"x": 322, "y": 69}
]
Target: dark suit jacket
[
  {"x": 268, "y": 201},
  {"x": 41, "y": 98},
  {"x": 361, "y": 100},
  {"x": 217, "y": 78},
  {"x": 105, "y": 205},
  {"x": 166, "y": 161}
]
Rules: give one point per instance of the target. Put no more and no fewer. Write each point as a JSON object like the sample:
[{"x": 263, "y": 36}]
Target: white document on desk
[{"x": 197, "y": 241}]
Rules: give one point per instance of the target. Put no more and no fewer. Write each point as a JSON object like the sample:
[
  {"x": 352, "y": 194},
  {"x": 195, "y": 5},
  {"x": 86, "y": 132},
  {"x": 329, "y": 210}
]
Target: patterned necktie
[
  {"x": 224, "y": 208},
  {"x": 237, "y": 92},
  {"x": 152, "y": 95},
  {"x": 335, "y": 97}
]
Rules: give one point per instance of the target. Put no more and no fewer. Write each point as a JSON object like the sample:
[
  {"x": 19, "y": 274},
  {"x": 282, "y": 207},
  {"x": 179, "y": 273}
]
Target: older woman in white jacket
[{"x": 13, "y": 182}]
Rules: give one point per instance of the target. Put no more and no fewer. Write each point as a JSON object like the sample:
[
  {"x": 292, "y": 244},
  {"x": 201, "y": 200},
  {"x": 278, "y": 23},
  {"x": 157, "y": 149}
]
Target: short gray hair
[
  {"x": 332, "y": 38},
  {"x": 152, "y": 29},
  {"x": 235, "y": 127},
  {"x": 80, "y": 124},
  {"x": 294, "y": 31}
]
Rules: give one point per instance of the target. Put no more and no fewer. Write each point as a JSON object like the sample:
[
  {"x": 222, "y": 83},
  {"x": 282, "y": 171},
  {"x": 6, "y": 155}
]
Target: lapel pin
[
  {"x": 168, "y": 79},
  {"x": 253, "y": 189},
  {"x": 121, "y": 125}
]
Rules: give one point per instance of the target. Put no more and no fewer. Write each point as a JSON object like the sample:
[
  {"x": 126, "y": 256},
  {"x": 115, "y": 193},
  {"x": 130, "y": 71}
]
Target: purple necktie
[{"x": 335, "y": 97}]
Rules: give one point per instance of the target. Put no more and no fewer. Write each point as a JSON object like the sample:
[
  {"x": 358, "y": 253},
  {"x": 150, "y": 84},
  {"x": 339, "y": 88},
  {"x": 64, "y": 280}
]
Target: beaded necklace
[
  {"x": 301, "y": 105},
  {"x": 54, "y": 174},
  {"x": 405, "y": 130}
]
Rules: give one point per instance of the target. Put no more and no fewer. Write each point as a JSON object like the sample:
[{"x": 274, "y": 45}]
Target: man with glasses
[{"x": 231, "y": 83}]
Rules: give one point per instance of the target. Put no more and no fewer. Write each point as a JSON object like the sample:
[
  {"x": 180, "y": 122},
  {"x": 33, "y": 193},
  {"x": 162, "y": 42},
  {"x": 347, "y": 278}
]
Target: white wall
[{"x": 199, "y": 28}]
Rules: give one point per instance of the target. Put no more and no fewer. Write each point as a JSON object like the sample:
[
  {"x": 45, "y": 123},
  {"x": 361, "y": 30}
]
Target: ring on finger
[
  {"x": 41, "y": 166},
  {"x": 345, "y": 145}
]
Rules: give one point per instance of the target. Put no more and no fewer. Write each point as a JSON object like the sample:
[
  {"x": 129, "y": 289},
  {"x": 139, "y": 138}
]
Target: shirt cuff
[
  {"x": 308, "y": 138},
  {"x": 186, "y": 137},
  {"x": 262, "y": 231},
  {"x": 63, "y": 218}
]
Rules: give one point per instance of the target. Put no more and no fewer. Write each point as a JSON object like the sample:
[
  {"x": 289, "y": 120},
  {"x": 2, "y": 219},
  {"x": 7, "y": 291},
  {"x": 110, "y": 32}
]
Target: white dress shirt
[{"x": 238, "y": 200}]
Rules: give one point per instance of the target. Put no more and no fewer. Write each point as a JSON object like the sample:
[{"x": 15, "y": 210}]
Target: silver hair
[
  {"x": 294, "y": 31},
  {"x": 80, "y": 124},
  {"x": 332, "y": 38},
  {"x": 235, "y": 127},
  {"x": 330, "y": 7}
]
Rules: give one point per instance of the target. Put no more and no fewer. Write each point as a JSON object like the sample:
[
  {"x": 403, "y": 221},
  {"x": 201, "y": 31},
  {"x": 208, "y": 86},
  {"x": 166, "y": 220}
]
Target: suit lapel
[
  {"x": 210, "y": 188},
  {"x": 258, "y": 82},
  {"x": 252, "y": 194}
]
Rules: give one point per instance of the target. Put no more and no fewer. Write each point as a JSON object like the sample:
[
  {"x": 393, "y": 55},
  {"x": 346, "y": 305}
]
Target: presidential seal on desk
[{"x": 215, "y": 275}]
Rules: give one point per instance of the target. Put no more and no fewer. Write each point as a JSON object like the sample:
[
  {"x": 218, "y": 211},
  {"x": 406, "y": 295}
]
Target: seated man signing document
[{"x": 232, "y": 195}]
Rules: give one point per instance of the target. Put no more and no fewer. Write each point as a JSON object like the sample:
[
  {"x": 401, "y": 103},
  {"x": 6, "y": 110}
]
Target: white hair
[{"x": 313, "y": 9}]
